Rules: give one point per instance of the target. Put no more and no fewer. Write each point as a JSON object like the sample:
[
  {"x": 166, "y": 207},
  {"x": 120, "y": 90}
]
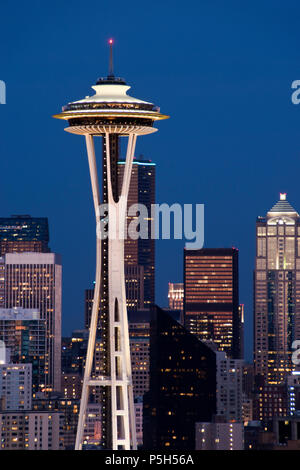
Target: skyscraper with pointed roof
[{"x": 276, "y": 291}]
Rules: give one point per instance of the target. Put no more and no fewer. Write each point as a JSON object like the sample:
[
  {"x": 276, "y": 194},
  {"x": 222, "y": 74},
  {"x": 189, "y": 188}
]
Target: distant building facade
[
  {"x": 24, "y": 335},
  {"x": 15, "y": 387},
  {"x": 139, "y": 337},
  {"x": 23, "y": 233},
  {"x": 34, "y": 281},
  {"x": 211, "y": 297},
  {"x": 229, "y": 387},
  {"x": 30, "y": 430},
  {"x": 68, "y": 408},
  {"x": 219, "y": 436},
  {"x": 176, "y": 295},
  {"x": 277, "y": 291}
]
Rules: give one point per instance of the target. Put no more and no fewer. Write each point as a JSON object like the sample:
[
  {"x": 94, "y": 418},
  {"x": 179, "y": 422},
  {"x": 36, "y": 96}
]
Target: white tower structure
[{"x": 110, "y": 113}]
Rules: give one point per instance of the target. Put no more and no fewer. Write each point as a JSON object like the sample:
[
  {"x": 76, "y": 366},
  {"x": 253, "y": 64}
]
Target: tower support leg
[
  {"x": 123, "y": 425},
  {"x": 122, "y": 406},
  {"x": 96, "y": 302}
]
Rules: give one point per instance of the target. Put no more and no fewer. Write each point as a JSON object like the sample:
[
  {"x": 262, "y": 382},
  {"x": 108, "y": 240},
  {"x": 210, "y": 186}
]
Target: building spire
[
  {"x": 111, "y": 65},
  {"x": 110, "y": 79}
]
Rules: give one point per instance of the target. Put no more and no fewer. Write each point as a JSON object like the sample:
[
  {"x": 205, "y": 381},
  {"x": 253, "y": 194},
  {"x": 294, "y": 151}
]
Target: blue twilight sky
[{"x": 222, "y": 70}]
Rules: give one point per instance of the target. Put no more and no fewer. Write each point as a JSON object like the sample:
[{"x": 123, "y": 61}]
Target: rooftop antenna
[{"x": 111, "y": 65}]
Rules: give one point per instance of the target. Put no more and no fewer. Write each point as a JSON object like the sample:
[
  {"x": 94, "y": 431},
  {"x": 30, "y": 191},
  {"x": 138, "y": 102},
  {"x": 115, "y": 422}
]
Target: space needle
[{"x": 110, "y": 113}]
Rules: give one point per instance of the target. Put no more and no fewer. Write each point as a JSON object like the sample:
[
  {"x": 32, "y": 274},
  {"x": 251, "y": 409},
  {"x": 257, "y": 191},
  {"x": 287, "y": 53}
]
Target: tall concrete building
[
  {"x": 276, "y": 291},
  {"x": 134, "y": 285},
  {"x": 211, "y": 297},
  {"x": 34, "y": 281},
  {"x": 139, "y": 338},
  {"x": 31, "y": 430},
  {"x": 229, "y": 387},
  {"x": 15, "y": 387},
  {"x": 219, "y": 436},
  {"x": 23, "y": 233},
  {"x": 68, "y": 408},
  {"x": 140, "y": 252}
]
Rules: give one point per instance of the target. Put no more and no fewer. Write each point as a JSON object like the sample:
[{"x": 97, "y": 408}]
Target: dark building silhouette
[
  {"x": 23, "y": 233},
  {"x": 211, "y": 297},
  {"x": 74, "y": 352},
  {"x": 182, "y": 385}
]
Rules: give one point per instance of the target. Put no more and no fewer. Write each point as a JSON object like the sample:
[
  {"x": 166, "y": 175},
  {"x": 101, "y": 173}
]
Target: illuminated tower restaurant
[
  {"x": 277, "y": 291},
  {"x": 110, "y": 113}
]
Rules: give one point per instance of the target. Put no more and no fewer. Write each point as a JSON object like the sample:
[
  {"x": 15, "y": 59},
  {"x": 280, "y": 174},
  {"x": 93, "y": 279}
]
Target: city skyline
[
  {"x": 150, "y": 287},
  {"x": 238, "y": 83}
]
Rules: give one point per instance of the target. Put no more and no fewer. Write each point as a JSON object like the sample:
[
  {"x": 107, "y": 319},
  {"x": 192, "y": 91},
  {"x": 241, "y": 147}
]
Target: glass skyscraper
[
  {"x": 34, "y": 281},
  {"x": 24, "y": 334},
  {"x": 23, "y": 233},
  {"x": 277, "y": 291}
]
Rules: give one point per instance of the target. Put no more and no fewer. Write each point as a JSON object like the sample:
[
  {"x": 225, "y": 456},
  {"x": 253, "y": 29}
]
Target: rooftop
[{"x": 282, "y": 206}]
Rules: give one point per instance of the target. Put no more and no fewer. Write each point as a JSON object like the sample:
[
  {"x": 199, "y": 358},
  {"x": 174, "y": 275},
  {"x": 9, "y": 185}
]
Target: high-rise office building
[
  {"x": 141, "y": 252},
  {"x": 219, "y": 436},
  {"x": 176, "y": 295},
  {"x": 134, "y": 285},
  {"x": 277, "y": 291},
  {"x": 211, "y": 297},
  {"x": 68, "y": 408},
  {"x": 23, "y": 233},
  {"x": 24, "y": 334},
  {"x": 31, "y": 430},
  {"x": 229, "y": 387},
  {"x": 138, "y": 407},
  {"x": 271, "y": 400},
  {"x": 15, "y": 387},
  {"x": 182, "y": 385},
  {"x": 34, "y": 281},
  {"x": 139, "y": 338}
]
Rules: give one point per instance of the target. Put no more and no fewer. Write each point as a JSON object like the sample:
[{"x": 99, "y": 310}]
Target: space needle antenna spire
[{"x": 111, "y": 63}]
